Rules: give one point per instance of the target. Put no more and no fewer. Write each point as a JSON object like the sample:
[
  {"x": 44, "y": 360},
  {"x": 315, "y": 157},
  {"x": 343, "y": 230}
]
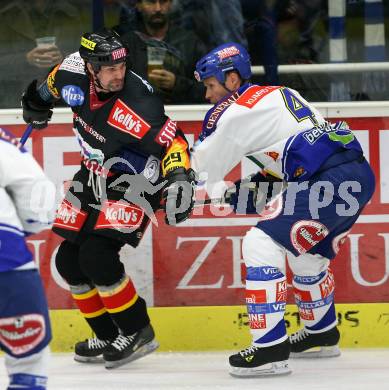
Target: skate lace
[
  {"x": 121, "y": 342},
  {"x": 96, "y": 343},
  {"x": 300, "y": 335},
  {"x": 248, "y": 351}
]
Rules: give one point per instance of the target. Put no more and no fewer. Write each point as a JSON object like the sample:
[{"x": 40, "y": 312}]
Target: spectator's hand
[
  {"x": 162, "y": 79},
  {"x": 44, "y": 57}
]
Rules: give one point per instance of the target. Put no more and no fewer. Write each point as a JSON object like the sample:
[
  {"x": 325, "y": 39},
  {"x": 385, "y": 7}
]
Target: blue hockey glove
[{"x": 250, "y": 195}]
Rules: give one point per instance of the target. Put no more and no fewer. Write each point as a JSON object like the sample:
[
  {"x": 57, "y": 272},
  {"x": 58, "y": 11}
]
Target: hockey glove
[
  {"x": 36, "y": 111},
  {"x": 178, "y": 195},
  {"x": 251, "y": 194}
]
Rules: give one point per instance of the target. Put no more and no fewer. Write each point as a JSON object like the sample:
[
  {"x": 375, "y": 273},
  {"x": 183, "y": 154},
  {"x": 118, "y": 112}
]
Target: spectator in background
[
  {"x": 22, "y": 24},
  {"x": 299, "y": 42},
  {"x": 261, "y": 32},
  {"x": 153, "y": 28},
  {"x": 207, "y": 19},
  {"x": 301, "y": 17}
]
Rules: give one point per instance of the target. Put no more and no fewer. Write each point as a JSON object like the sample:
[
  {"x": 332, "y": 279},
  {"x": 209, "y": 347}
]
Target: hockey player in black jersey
[{"x": 124, "y": 136}]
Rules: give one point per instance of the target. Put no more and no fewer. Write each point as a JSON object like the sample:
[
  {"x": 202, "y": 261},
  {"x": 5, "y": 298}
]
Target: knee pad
[
  {"x": 260, "y": 250},
  {"x": 100, "y": 261},
  {"x": 67, "y": 263},
  {"x": 307, "y": 264}
]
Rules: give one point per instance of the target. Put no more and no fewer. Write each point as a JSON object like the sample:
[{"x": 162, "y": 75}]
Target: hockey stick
[
  {"x": 26, "y": 134},
  {"x": 215, "y": 201}
]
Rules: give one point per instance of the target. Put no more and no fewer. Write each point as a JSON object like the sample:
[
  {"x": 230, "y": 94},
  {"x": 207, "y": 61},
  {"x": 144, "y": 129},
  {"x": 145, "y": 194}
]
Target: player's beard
[{"x": 115, "y": 85}]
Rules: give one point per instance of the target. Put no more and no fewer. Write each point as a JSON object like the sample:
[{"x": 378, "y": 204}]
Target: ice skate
[
  {"x": 90, "y": 350},
  {"x": 314, "y": 345},
  {"x": 256, "y": 361},
  {"x": 125, "y": 349}
]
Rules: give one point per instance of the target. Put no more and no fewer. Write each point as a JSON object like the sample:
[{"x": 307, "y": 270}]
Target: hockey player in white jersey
[
  {"x": 27, "y": 201},
  {"x": 328, "y": 183}
]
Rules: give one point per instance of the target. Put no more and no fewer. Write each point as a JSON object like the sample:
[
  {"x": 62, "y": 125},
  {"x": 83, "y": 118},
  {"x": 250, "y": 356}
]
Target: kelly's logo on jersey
[
  {"x": 119, "y": 215},
  {"x": 124, "y": 119},
  {"x": 69, "y": 217}
]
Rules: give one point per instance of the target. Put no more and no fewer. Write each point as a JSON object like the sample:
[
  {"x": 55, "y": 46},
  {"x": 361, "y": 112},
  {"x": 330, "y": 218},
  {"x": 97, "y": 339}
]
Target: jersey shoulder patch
[
  {"x": 73, "y": 63},
  {"x": 254, "y": 94}
]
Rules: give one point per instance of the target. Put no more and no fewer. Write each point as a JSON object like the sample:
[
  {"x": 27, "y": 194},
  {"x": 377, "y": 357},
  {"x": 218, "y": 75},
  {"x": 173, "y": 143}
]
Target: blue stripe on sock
[
  {"x": 308, "y": 280},
  {"x": 263, "y": 273},
  {"x": 265, "y": 308},
  {"x": 27, "y": 381},
  {"x": 315, "y": 304},
  {"x": 328, "y": 319},
  {"x": 274, "y": 334}
]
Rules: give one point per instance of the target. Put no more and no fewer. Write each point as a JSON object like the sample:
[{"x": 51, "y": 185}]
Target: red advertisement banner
[{"x": 200, "y": 262}]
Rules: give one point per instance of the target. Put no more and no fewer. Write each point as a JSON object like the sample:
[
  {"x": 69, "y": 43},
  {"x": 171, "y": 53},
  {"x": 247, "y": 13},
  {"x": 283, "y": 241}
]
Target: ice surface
[{"x": 355, "y": 370}]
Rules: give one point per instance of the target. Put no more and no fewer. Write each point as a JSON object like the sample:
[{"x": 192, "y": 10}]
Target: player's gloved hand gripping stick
[
  {"x": 36, "y": 111},
  {"x": 248, "y": 195}
]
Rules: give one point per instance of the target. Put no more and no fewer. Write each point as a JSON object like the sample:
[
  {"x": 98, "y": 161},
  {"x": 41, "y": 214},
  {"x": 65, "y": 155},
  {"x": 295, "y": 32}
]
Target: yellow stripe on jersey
[{"x": 176, "y": 156}]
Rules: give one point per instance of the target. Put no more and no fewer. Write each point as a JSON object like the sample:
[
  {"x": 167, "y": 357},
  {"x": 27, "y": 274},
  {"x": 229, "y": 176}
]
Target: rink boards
[
  {"x": 192, "y": 276},
  {"x": 202, "y": 328}
]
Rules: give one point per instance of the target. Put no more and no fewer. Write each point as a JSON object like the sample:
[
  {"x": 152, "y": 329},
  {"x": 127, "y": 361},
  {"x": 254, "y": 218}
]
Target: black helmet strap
[{"x": 96, "y": 70}]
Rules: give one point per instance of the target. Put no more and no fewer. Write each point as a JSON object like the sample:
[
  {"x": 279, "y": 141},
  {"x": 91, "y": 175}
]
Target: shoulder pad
[
  {"x": 145, "y": 82},
  {"x": 73, "y": 63}
]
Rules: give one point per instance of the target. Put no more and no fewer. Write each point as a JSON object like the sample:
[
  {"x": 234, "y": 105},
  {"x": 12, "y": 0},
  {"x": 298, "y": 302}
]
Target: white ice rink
[{"x": 354, "y": 370}]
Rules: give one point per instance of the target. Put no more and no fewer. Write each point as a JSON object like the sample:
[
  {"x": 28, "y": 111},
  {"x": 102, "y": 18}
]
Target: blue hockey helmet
[{"x": 222, "y": 59}]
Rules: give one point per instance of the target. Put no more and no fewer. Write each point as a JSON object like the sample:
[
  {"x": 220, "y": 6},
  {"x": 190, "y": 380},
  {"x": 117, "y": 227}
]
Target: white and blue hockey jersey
[
  {"x": 273, "y": 126},
  {"x": 27, "y": 202}
]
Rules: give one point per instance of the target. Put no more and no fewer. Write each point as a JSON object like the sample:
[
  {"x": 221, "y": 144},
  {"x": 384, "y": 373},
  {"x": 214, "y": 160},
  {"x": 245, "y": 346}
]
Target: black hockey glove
[
  {"x": 178, "y": 195},
  {"x": 36, "y": 111},
  {"x": 251, "y": 194}
]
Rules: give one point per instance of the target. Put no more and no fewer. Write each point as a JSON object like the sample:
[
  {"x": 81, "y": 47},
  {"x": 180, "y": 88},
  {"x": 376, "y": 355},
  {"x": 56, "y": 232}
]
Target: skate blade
[
  {"x": 142, "y": 351},
  {"x": 89, "y": 359},
  {"x": 270, "y": 369},
  {"x": 315, "y": 353}
]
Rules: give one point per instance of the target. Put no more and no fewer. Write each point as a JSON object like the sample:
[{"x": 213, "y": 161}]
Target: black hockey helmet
[{"x": 102, "y": 48}]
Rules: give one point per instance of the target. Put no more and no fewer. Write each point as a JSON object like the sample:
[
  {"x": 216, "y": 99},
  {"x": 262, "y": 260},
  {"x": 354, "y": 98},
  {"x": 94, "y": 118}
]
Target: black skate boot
[
  {"x": 257, "y": 361},
  {"x": 90, "y": 350},
  {"x": 314, "y": 345},
  {"x": 125, "y": 349}
]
